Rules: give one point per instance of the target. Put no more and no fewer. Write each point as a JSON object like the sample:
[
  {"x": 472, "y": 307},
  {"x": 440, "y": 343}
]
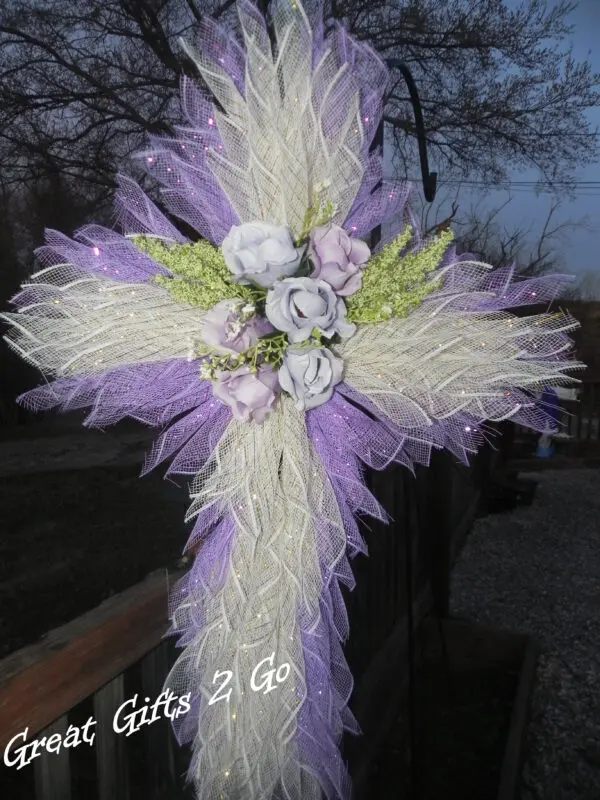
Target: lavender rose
[
  {"x": 338, "y": 259},
  {"x": 250, "y": 397},
  {"x": 231, "y": 327},
  {"x": 256, "y": 252},
  {"x": 298, "y": 305},
  {"x": 310, "y": 375}
]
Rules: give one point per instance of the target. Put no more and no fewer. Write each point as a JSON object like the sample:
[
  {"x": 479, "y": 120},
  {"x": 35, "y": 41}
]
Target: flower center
[{"x": 309, "y": 305}]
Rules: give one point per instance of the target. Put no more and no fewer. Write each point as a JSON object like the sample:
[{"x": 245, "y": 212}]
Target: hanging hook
[{"x": 429, "y": 178}]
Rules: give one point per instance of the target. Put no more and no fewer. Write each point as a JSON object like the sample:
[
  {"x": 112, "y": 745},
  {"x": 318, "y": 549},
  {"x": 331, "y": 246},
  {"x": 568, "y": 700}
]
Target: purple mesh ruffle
[
  {"x": 99, "y": 251},
  {"x": 150, "y": 393},
  {"x": 136, "y": 213},
  {"x": 207, "y": 575},
  {"x": 191, "y": 191},
  {"x": 499, "y": 290},
  {"x": 222, "y": 47}
]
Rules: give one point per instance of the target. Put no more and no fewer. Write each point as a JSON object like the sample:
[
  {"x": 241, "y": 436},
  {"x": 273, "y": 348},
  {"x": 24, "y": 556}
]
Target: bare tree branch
[
  {"x": 444, "y": 225},
  {"x": 480, "y": 233},
  {"x": 498, "y": 91}
]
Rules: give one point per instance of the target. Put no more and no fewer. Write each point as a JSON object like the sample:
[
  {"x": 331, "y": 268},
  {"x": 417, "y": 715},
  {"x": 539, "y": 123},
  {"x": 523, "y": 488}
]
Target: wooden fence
[
  {"x": 88, "y": 668},
  {"x": 580, "y": 421},
  {"x": 582, "y": 417}
]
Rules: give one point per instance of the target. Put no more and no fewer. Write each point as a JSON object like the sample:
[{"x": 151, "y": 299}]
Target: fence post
[
  {"x": 113, "y": 772},
  {"x": 52, "y": 770}
]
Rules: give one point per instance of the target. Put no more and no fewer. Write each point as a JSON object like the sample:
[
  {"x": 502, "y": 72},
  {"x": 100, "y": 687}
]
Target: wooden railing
[
  {"x": 89, "y": 667},
  {"x": 79, "y": 671}
]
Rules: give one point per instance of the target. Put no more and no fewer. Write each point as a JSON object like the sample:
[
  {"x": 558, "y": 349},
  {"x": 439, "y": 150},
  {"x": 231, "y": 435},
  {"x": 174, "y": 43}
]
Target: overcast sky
[{"x": 580, "y": 249}]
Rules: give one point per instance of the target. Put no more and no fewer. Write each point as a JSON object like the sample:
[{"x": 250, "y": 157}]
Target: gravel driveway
[{"x": 537, "y": 570}]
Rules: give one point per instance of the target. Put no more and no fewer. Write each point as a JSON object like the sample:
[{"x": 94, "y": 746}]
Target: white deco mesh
[
  {"x": 270, "y": 480},
  {"x": 77, "y": 323},
  {"x": 296, "y": 134},
  {"x": 433, "y": 364}
]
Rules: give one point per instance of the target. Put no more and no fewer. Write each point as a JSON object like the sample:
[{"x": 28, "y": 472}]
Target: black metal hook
[{"x": 429, "y": 178}]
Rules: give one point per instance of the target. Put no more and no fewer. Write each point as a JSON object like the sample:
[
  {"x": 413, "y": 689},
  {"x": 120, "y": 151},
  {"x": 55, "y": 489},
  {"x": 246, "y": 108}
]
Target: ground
[
  {"x": 85, "y": 528},
  {"x": 537, "y": 570}
]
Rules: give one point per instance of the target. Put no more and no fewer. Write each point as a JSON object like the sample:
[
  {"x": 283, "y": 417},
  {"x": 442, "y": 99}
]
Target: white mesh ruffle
[{"x": 70, "y": 322}]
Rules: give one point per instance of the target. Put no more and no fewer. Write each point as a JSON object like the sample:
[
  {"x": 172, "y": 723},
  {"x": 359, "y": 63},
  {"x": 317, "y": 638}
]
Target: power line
[
  {"x": 579, "y": 188},
  {"x": 532, "y": 184}
]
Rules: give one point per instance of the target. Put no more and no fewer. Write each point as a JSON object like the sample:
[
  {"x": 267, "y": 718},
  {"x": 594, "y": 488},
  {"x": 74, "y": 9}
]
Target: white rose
[
  {"x": 310, "y": 375},
  {"x": 259, "y": 253},
  {"x": 298, "y": 305}
]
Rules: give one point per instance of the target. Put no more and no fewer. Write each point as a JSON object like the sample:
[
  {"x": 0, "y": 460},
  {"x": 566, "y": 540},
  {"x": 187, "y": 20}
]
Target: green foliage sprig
[
  {"x": 394, "y": 284},
  {"x": 321, "y": 212},
  {"x": 268, "y": 350},
  {"x": 200, "y": 275}
]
